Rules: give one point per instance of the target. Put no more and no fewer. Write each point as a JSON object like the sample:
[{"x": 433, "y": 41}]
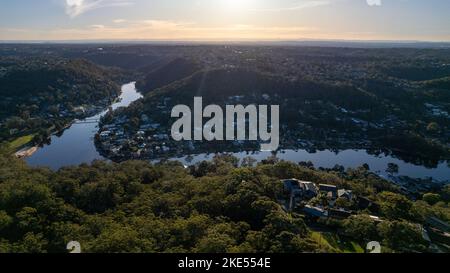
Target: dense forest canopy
[{"x": 211, "y": 207}]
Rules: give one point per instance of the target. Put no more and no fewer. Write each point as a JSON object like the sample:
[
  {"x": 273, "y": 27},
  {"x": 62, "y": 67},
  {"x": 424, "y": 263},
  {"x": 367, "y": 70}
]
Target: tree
[
  {"x": 446, "y": 193},
  {"x": 28, "y": 220},
  {"x": 433, "y": 128},
  {"x": 248, "y": 162},
  {"x": 288, "y": 242},
  {"x": 150, "y": 175},
  {"x": 5, "y": 221},
  {"x": 343, "y": 203},
  {"x": 392, "y": 168},
  {"x": 262, "y": 208},
  {"x": 431, "y": 198},
  {"x": 32, "y": 243},
  {"x": 117, "y": 239},
  {"x": 277, "y": 222},
  {"x": 214, "y": 242},
  {"x": 361, "y": 227},
  {"x": 320, "y": 200},
  {"x": 401, "y": 236},
  {"x": 394, "y": 206},
  {"x": 421, "y": 210}
]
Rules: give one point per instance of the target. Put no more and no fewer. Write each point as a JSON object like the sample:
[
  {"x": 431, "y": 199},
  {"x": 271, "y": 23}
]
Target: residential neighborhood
[
  {"x": 316, "y": 200},
  {"x": 322, "y": 202}
]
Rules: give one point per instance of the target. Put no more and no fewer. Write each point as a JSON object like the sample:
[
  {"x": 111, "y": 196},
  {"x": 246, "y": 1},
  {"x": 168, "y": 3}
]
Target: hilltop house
[
  {"x": 303, "y": 189},
  {"x": 315, "y": 212},
  {"x": 298, "y": 191},
  {"x": 339, "y": 213},
  {"x": 347, "y": 194},
  {"x": 438, "y": 224},
  {"x": 331, "y": 191}
]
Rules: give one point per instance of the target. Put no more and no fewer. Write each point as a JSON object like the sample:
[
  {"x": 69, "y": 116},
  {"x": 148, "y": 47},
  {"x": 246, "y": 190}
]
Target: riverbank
[
  {"x": 75, "y": 144},
  {"x": 26, "y": 152}
]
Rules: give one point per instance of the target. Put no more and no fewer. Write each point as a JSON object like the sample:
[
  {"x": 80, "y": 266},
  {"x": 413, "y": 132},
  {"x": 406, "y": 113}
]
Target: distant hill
[
  {"x": 219, "y": 85},
  {"x": 418, "y": 73},
  {"x": 42, "y": 93},
  {"x": 80, "y": 78},
  {"x": 174, "y": 70},
  {"x": 442, "y": 83}
]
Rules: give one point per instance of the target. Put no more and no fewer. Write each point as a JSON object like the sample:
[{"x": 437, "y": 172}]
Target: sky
[{"x": 225, "y": 20}]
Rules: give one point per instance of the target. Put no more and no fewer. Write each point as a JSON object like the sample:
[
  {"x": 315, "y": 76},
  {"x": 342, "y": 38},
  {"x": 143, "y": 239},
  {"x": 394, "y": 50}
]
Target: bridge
[{"x": 88, "y": 121}]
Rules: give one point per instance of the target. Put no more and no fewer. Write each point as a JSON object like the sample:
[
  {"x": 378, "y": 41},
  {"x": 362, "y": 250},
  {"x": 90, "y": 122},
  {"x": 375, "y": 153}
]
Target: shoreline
[{"x": 26, "y": 152}]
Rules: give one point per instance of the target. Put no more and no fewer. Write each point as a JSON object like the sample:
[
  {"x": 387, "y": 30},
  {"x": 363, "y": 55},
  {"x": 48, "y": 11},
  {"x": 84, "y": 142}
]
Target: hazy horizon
[{"x": 226, "y": 20}]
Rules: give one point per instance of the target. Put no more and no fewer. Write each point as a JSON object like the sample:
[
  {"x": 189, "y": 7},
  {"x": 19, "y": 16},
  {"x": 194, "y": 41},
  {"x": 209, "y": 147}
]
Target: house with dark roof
[
  {"x": 315, "y": 212},
  {"x": 298, "y": 191},
  {"x": 339, "y": 213},
  {"x": 291, "y": 185},
  {"x": 438, "y": 224},
  {"x": 302, "y": 189},
  {"x": 330, "y": 190}
]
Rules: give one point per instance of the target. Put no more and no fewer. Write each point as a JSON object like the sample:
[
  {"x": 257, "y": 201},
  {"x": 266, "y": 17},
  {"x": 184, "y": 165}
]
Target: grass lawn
[
  {"x": 16, "y": 144},
  {"x": 336, "y": 244}
]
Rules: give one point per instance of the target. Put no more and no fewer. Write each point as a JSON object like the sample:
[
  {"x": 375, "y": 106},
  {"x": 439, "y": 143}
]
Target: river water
[
  {"x": 76, "y": 146},
  {"x": 346, "y": 158}
]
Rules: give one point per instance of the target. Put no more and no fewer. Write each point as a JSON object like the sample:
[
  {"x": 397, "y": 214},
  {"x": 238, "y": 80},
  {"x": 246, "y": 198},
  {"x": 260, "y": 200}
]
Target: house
[
  {"x": 315, "y": 211},
  {"x": 304, "y": 189},
  {"x": 145, "y": 118},
  {"x": 79, "y": 110},
  {"x": 105, "y": 135},
  {"x": 161, "y": 137},
  {"x": 376, "y": 219},
  {"x": 330, "y": 190},
  {"x": 291, "y": 186},
  {"x": 347, "y": 194},
  {"x": 438, "y": 224},
  {"x": 298, "y": 191},
  {"x": 339, "y": 213},
  {"x": 439, "y": 236},
  {"x": 309, "y": 189},
  {"x": 151, "y": 126},
  {"x": 364, "y": 203}
]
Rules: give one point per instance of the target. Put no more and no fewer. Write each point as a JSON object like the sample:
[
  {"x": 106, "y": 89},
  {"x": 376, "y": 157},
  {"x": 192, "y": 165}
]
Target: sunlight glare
[{"x": 237, "y": 5}]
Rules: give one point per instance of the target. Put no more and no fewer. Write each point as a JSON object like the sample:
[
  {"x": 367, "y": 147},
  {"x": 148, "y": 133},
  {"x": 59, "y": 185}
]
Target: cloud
[
  {"x": 301, "y": 5},
  {"x": 119, "y": 21},
  {"x": 374, "y": 2},
  {"x": 75, "y": 8},
  {"x": 165, "y": 30}
]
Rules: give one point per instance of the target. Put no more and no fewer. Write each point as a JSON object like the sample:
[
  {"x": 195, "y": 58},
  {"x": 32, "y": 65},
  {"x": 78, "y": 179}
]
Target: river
[
  {"x": 346, "y": 158},
  {"x": 76, "y": 146}
]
